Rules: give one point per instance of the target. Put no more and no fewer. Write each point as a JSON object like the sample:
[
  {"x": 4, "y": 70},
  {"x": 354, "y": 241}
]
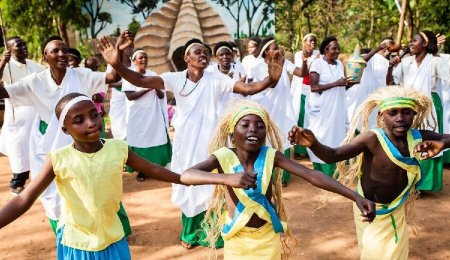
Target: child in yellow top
[
  {"x": 88, "y": 174},
  {"x": 253, "y": 217}
]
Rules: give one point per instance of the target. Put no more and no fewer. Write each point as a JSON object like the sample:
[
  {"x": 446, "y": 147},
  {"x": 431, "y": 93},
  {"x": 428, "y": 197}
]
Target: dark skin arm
[
  {"x": 315, "y": 87},
  {"x": 151, "y": 170},
  {"x": 392, "y": 64},
  {"x": 275, "y": 70},
  {"x": 23, "y": 202},
  {"x": 112, "y": 55},
  {"x": 322, "y": 181},
  {"x": 305, "y": 137},
  {"x": 433, "y": 144},
  {"x": 5, "y": 59},
  {"x": 133, "y": 95},
  {"x": 201, "y": 174}
]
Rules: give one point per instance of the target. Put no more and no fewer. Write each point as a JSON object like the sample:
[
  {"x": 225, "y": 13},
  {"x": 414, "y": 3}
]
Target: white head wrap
[{"x": 68, "y": 106}]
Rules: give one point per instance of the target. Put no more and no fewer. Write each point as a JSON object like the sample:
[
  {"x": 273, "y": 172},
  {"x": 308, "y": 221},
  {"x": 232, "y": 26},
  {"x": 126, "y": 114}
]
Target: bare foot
[{"x": 186, "y": 244}]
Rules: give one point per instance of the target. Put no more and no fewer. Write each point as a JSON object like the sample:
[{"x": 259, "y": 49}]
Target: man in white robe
[{"x": 15, "y": 133}]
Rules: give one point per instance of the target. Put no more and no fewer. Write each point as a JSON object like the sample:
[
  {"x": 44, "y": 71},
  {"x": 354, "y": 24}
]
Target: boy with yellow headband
[{"x": 386, "y": 162}]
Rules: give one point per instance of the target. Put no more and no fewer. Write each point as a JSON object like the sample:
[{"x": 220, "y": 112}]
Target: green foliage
[
  {"x": 35, "y": 20},
  {"x": 250, "y": 8},
  {"x": 134, "y": 26},
  {"x": 95, "y": 15},
  {"x": 353, "y": 21},
  {"x": 143, "y": 7}
]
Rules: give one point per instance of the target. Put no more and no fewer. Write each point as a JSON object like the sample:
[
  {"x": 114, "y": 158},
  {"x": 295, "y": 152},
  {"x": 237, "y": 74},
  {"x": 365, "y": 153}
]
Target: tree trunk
[
  {"x": 62, "y": 29},
  {"x": 401, "y": 23}
]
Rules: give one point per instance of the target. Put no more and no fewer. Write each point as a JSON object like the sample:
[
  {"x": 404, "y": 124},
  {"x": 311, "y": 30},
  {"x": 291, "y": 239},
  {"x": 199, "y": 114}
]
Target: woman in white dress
[
  {"x": 300, "y": 87},
  {"x": 326, "y": 102},
  {"x": 147, "y": 126},
  {"x": 224, "y": 55},
  {"x": 277, "y": 100},
  {"x": 249, "y": 61}
]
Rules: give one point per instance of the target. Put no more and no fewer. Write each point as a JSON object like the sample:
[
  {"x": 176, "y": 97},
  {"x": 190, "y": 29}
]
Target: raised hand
[
  {"x": 109, "y": 52},
  {"x": 440, "y": 39},
  {"x": 367, "y": 208},
  {"x": 125, "y": 40},
  {"x": 428, "y": 149},
  {"x": 276, "y": 65},
  {"x": 243, "y": 180},
  {"x": 301, "y": 136},
  {"x": 6, "y": 57}
]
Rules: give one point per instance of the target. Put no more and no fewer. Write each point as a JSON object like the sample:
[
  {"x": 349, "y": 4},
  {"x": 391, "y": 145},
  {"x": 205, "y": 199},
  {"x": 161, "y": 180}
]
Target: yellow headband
[
  {"x": 46, "y": 46},
  {"x": 265, "y": 47},
  {"x": 398, "y": 102},
  {"x": 308, "y": 35},
  {"x": 222, "y": 48},
  {"x": 248, "y": 111},
  {"x": 424, "y": 37},
  {"x": 190, "y": 46}
]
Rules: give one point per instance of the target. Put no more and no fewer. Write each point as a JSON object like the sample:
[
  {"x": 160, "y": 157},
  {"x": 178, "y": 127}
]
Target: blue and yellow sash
[
  {"x": 409, "y": 164},
  {"x": 251, "y": 201}
]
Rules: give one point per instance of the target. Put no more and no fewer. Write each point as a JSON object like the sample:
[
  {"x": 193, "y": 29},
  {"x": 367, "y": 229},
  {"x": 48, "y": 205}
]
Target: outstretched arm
[
  {"x": 322, "y": 181},
  {"x": 275, "y": 70},
  {"x": 201, "y": 174},
  {"x": 112, "y": 55},
  {"x": 20, "y": 204},
  {"x": 5, "y": 59},
  {"x": 305, "y": 137},
  {"x": 151, "y": 170},
  {"x": 433, "y": 143}
]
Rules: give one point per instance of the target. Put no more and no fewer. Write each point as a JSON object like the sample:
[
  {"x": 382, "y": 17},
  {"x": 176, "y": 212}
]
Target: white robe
[
  {"x": 238, "y": 73},
  {"x": 445, "y": 92},
  {"x": 147, "y": 117},
  {"x": 41, "y": 91},
  {"x": 373, "y": 78},
  {"x": 424, "y": 77},
  {"x": 248, "y": 62},
  {"x": 297, "y": 87},
  {"x": 118, "y": 112},
  {"x": 194, "y": 121},
  {"x": 17, "y": 123},
  {"x": 327, "y": 111},
  {"x": 277, "y": 101}
]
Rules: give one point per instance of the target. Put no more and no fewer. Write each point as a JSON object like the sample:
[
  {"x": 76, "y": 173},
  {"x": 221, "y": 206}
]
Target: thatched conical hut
[{"x": 173, "y": 25}]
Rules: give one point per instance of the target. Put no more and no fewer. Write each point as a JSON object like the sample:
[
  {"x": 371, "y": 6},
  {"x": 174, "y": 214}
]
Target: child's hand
[
  {"x": 301, "y": 136},
  {"x": 428, "y": 149},
  {"x": 367, "y": 208},
  {"x": 242, "y": 180}
]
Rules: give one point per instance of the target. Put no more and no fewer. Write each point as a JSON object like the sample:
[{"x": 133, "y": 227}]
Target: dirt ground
[{"x": 327, "y": 234}]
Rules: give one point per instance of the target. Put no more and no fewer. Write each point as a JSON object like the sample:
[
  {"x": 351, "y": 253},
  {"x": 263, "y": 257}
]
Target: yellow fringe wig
[
  {"x": 347, "y": 171},
  {"x": 221, "y": 138}
]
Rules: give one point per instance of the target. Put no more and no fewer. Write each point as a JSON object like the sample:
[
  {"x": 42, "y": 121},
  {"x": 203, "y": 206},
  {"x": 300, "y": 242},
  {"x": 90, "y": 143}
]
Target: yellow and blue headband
[
  {"x": 398, "y": 102},
  {"x": 248, "y": 111}
]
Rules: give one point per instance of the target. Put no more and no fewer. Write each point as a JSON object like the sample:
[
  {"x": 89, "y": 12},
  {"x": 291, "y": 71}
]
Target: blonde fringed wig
[
  {"x": 346, "y": 172},
  {"x": 213, "y": 220}
]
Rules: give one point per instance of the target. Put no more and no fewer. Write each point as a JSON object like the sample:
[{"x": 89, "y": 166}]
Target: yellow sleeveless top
[{"x": 91, "y": 190}]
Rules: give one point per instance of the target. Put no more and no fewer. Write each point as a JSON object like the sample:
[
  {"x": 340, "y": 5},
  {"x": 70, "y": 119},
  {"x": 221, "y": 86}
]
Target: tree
[
  {"x": 134, "y": 26},
  {"x": 355, "y": 21},
  {"x": 250, "y": 8},
  {"x": 35, "y": 20},
  {"x": 144, "y": 7},
  {"x": 93, "y": 9}
]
